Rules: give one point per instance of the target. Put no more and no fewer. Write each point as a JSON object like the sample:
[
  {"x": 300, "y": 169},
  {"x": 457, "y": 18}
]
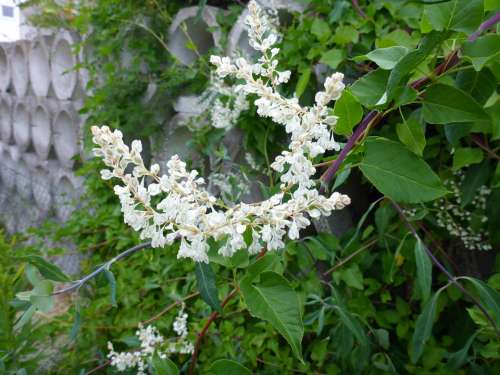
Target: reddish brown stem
[
  {"x": 489, "y": 151},
  {"x": 360, "y": 12},
  {"x": 204, "y": 330},
  {"x": 210, "y": 320}
]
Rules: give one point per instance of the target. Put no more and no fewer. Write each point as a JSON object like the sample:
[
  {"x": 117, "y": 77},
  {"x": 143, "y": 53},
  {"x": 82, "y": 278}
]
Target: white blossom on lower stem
[
  {"x": 183, "y": 209},
  {"x": 152, "y": 342}
]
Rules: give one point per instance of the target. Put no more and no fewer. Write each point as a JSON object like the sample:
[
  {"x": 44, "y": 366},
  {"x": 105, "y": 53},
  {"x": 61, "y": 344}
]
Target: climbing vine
[{"x": 403, "y": 280}]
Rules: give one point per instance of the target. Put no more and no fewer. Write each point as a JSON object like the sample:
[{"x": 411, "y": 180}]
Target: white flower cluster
[
  {"x": 459, "y": 221},
  {"x": 220, "y": 105},
  {"x": 152, "y": 342},
  {"x": 175, "y": 205}
]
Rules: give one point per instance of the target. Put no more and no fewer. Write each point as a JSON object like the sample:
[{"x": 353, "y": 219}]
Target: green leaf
[
  {"x": 273, "y": 299},
  {"x": 345, "y": 34},
  {"x": 398, "y": 173},
  {"x": 301, "y": 86},
  {"x": 488, "y": 296},
  {"x": 444, "y": 104},
  {"x": 352, "y": 276},
  {"x": 457, "y": 15},
  {"x": 341, "y": 177},
  {"x": 268, "y": 262},
  {"x": 321, "y": 29},
  {"x": 424, "y": 270},
  {"x": 25, "y": 317},
  {"x": 476, "y": 176},
  {"x": 409, "y": 62},
  {"x": 466, "y": 156},
  {"x": 423, "y": 327},
  {"x": 228, "y": 367},
  {"x": 370, "y": 88},
  {"x": 456, "y": 131},
  {"x": 205, "y": 279},
  {"x": 382, "y": 336},
  {"x": 480, "y": 85},
  {"x": 494, "y": 112},
  {"x": 412, "y": 134},
  {"x": 48, "y": 270},
  {"x": 482, "y": 51},
  {"x": 491, "y": 5},
  {"x": 40, "y": 296},
  {"x": 352, "y": 324},
  {"x": 458, "y": 358},
  {"x": 332, "y": 58},
  {"x": 163, "y": 366},
  {"x": 386, "y": 58},
  {"x": 112, "y": 286},
  {"x": 349, "y": 113}
]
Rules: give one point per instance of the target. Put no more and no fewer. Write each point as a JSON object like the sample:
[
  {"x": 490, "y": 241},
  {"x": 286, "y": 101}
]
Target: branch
[
  {"x": 204, "y": 330},
  {"x": 485, "y": 26},
  {"x": 489, "y": 151},
  {"x": 348, "y": 258},
  {"x": 210, "y": 320},
  {"x": 374, "y": 117},
  {"x": 443, "y": 269},
  {"x": 79, "y": 283},
  {"x": 355, "y": 5}
]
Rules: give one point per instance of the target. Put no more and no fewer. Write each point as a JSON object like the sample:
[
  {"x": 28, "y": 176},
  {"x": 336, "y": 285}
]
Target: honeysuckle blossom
[{"x": 176, "y": 205}]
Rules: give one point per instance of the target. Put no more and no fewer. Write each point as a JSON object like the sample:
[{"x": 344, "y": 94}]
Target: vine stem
[
  {"x": 210, "y": 320},
  {"x": 360, "y": 12},
  {"x": 485, "y": 26},
  {"x": 205, "y": 328},
  {"x": 374, "y": 117},
  {"x": 79, "y": 283},
  {"x": 443, "y": 269},
  {"x": 477, "y": 141}
]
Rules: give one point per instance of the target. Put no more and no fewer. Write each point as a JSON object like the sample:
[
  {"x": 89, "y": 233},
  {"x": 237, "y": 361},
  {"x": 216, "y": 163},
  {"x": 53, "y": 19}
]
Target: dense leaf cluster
[{"x": 374, "y": 298}]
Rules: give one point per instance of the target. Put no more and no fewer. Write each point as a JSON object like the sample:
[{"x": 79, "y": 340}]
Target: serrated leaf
[
  {"x": 48, "y": 270},
  {"x": 273, "y": 300},
  {"x": 398, "y": 173},
  {"x": 349, "y": 113},
  {"x": 228, "y": 367},
  {"x": 205, "y": 279},
  {"x": 412, "y": 134},
  {"x": 445, "y": 104},
  {"x": 424, "y": 270},
  {"x": 423, "y": 327}
]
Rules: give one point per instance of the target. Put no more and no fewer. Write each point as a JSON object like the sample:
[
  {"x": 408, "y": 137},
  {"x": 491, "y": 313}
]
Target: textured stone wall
[{"x": 40, "y": 129}]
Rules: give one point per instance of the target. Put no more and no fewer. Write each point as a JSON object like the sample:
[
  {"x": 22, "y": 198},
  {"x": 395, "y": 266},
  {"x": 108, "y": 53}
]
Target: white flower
[
  {"x": 153, "y": 342},
  {"x": 184, "y": 210}
]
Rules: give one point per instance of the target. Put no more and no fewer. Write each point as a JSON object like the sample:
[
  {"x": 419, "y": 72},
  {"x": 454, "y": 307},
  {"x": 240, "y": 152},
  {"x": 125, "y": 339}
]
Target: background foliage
[{"x": 370, "y": 299}]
